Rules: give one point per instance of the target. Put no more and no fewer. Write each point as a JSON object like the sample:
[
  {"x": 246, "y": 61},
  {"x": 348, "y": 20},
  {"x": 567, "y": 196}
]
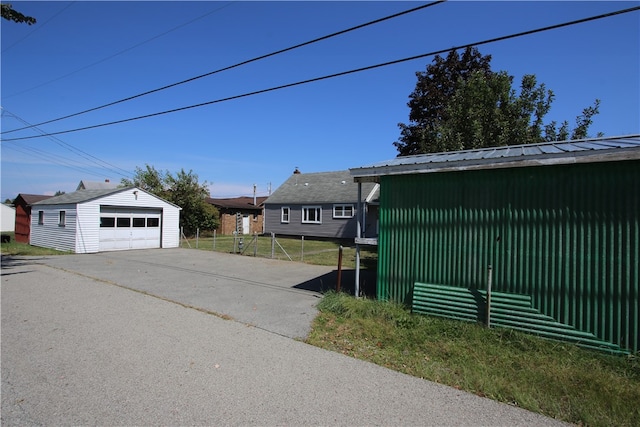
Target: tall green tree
[
  {"x": 10, "y": 14},
  {"x": 183, "y": 190},
  {"x": 429, "y": 99},
  {"x": 148, "y": 179},
  {"x": 459, "y": 104}
]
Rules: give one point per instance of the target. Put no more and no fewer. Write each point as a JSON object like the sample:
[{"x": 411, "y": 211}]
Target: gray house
[{"x": 323, "y": 205}]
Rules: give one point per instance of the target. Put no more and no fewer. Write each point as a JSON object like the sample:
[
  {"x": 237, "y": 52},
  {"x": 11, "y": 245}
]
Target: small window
[
  {"x": 107, "y": 221},
  {"x": 138, "y": 222},
  {"x": 123, "y": 222},
  {"x": 311, "y": 215},
  {"x": 153, "y": 222},
  {"x": 41, "y": 217},
  {"x": 62, "y": 218},
  {"x": 342, "y": 211},
  {"x": 284, "y": 215}
]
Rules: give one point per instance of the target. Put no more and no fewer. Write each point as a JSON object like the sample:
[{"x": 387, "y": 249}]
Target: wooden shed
[
  {"x": 23, "y": 215},
  {"x": 555, "y": 225},
  {"x": 88, "y": 221}
]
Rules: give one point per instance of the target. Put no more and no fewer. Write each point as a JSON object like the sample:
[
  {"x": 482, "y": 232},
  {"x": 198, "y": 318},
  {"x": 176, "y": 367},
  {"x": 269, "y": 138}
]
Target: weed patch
[{"x": 559, "y": 380}]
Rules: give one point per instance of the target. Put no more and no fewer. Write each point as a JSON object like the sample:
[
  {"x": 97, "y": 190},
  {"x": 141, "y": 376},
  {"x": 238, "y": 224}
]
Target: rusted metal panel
[{"x": 568, "y": 236}]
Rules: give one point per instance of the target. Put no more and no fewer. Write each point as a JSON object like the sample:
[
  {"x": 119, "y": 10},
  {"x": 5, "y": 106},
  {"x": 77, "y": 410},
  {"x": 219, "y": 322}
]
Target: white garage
[
  {"x": 129, "y": 228},
  {"x": 88, "y": 221}
]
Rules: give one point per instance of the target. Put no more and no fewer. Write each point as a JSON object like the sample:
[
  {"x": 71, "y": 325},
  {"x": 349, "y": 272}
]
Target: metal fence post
[{"x": 489, "y": 279}]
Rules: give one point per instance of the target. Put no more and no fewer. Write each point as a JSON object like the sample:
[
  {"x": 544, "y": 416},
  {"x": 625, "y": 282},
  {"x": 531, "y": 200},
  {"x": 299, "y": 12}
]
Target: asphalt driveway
[
  {"x": 274, "y": 295},
  {"x": 128, "y": 338}
]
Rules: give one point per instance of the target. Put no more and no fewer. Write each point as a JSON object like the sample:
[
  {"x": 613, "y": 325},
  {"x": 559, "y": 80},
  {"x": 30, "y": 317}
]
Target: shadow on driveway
[{"x": 327, "y": 282}]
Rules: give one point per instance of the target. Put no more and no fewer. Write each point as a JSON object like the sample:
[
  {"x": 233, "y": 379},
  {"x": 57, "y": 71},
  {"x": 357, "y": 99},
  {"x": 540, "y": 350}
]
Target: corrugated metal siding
[
  {"x": 507, "y": 310},
  {"x": 566, "y": 235}
]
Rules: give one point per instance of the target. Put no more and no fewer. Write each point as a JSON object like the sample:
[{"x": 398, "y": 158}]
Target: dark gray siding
[{"x": 340, "y": 228}]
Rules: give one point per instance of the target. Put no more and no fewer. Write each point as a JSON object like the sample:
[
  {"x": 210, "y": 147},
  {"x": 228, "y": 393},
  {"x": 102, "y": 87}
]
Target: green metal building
[{"x": 552, "y": 229}]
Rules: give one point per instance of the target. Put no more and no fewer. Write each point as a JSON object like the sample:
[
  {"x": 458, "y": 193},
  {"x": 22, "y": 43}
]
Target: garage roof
[
  {"x": 547, "y": 153},
  {"x": 79, "y": 196},
  {"x": 82, "y": 196}
]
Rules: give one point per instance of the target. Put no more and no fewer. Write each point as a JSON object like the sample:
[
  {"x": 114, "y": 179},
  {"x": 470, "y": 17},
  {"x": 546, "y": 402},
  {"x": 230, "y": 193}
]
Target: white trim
[
  {"x": 305, "y": 214},
  {"x": 282, "y": 219},
  {"x": 343, "y": 207}
]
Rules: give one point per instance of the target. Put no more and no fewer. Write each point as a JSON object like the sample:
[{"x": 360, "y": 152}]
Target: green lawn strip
[
  {"x": 310, "y": 251},
  {"x": 24, "y": 249},
  {"x": 555, "y": 379}
]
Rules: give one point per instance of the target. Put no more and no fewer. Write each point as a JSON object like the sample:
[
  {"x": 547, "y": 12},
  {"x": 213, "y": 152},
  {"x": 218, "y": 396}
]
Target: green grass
[
  {"x": 310, "y": 251},
  {"x": 15, "y": 248},
  {"x": 559, "y": 380}
]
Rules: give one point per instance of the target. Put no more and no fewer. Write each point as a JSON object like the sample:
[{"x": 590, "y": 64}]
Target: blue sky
[{"x": 86, "y": 54}]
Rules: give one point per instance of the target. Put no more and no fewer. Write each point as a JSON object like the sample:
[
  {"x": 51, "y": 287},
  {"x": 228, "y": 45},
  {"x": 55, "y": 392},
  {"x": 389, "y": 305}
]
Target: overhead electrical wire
[
  {"x": 51, "y": 158},
  {"x": 117, "y": 53},
  {"x": 99, "y": 162},
  {"x": 344, "y": 73},
  {"x": 38, "y": 27},
  {"x": 239, "y": 64}
]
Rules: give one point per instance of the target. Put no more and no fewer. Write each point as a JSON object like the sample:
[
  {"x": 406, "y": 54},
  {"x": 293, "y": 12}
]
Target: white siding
[
  {"x": 170, "y": 213},
  {"x": 170, "y": 227},
  {"x": 88, "y": 236},
  {"x": 8, "y": 218},
  {"x": 50, "y": 234},
  {"x": 82, "y": 231}
]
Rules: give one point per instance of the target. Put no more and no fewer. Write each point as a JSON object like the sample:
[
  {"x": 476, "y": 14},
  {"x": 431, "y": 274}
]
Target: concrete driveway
[
  {"x": 127, "y": 339},
  {"x": 273, "y": 295}
]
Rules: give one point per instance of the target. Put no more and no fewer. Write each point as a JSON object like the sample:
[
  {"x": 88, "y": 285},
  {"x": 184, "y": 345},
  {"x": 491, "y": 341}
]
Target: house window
[
  {"x": 41, "y": 217},
  {"x": 284, "y": 214},
  {"x": 342, "y": 211},
  {"x": 62, "y": 217},
  {"x": 311, "y": 215}
]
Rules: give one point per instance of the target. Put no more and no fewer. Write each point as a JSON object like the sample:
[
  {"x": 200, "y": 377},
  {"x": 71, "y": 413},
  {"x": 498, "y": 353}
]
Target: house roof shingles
[
  {"x": 237, "y": 203},
  {"x": 320, "y": 187},
  {"x": 96, "y": 185},
  {"x": 30, "y": 199}
]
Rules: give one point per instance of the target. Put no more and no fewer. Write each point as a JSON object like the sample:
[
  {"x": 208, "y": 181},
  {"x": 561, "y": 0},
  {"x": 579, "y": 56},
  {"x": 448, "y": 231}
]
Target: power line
[
  {"x": 344, "y": 73},
  {"x": 38, "y": 27},
  {"x": 99, "y": 162},
  {"x": 50, "y": 158},
  {"x": 235, "y": 65},
  {"x": 114, "y": 55}
]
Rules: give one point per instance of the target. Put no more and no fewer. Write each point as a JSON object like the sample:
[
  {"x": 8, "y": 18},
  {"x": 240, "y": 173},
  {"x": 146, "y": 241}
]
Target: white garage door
[{"x": 129, "y": 228}]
